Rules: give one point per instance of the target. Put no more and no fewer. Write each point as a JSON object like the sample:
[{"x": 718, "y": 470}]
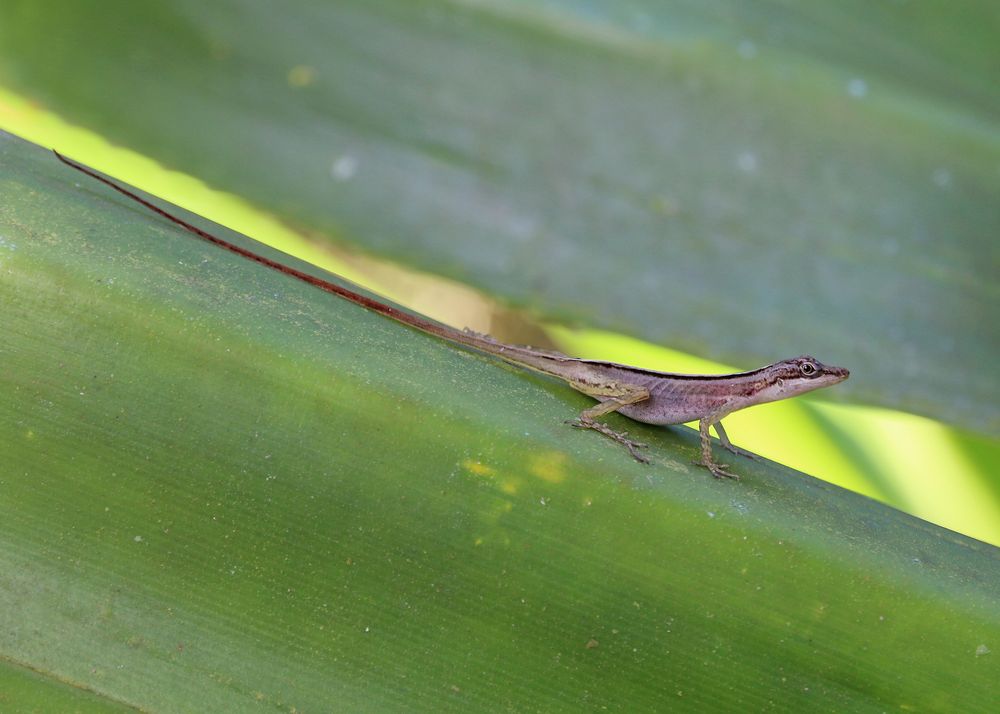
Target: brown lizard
[{"x": 641, "y": 394}]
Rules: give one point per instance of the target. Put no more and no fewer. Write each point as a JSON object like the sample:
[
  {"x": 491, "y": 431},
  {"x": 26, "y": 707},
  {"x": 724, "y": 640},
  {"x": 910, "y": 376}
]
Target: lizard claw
[
  {"x": 633, "y": 448},
  {"x": 620, "y": 436},
  {"x": 720, "y": 471}
]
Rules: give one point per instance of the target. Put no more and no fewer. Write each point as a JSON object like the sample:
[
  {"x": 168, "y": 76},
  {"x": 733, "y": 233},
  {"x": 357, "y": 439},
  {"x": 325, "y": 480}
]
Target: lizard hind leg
[{"x": 588, "y": 420}]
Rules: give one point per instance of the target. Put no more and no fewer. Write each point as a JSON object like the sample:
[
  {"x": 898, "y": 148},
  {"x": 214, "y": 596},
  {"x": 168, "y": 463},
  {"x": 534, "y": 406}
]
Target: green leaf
[
  {"x": 226, "y": 490},
  {"x": 747, "y": 181},
  {"x": 23, "y": 691}
]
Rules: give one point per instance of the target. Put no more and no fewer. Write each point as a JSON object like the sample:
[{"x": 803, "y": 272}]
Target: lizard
[{"x": 643, "y": 395}]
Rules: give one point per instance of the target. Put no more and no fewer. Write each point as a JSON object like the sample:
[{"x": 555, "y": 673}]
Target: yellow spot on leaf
[
  {"x": 301, "y": 75},
  {"x": 550, "y": 466},
  {"x": 478, "y": 469}
]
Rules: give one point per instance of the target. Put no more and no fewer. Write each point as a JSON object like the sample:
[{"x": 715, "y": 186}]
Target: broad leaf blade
[
  {"x": 25, "y": 692},
  {"x": 744, "y": 181},
  {"x": 225, "y": 489}
]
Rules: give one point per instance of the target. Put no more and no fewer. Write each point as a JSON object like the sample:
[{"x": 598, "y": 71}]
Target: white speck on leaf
[
  {"x": 857, "y": 88},
  {"x": 522, "y": 228},
  {"x": 941, "y": 178},
  {"x": 344, "y": 168},
  {"x": 138, "y": 539},
  {"x": 747, "y": 161},
  {"x": 982, "y": 650}
]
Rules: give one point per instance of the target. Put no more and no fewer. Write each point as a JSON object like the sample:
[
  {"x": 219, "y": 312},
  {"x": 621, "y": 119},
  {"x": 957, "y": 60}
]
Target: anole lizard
[{"x": 640, "y": 394}]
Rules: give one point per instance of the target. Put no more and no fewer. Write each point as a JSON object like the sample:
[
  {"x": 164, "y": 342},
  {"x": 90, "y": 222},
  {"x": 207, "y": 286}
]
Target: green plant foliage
[
  {"x": 743, "y": 180},
  {"x": 919, "y": 466},
  {"x": 25, "y": 692},
  {"x": 224, "y": 490}
]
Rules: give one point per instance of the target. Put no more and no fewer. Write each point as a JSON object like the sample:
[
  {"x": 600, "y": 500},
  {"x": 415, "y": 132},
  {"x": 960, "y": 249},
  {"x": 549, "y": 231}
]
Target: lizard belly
[
  {"x": 673, "y": 408},
  {"x": 651, "y": 413}
]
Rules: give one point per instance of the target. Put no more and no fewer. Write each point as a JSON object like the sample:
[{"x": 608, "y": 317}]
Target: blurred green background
[
  {"x": 638, "y": 181},
  {"x": 740, "y": 181}
]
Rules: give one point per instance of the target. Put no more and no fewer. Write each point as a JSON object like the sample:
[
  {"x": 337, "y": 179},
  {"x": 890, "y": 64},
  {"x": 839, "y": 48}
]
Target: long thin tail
[{"x": 524, "y": 357}]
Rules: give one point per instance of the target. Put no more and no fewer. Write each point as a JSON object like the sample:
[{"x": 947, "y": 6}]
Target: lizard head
[{"x": 799, "y": 375}]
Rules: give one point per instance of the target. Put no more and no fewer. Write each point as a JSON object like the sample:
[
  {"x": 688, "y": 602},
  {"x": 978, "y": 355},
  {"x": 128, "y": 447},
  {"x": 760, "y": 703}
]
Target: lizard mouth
[{"x": 839, "y": 374}]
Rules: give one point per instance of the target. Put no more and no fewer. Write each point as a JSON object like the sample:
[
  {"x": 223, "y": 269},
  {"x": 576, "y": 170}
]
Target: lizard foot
[
  {"x": 718, "y": 470},
  {"x": 620, "y": 436}
]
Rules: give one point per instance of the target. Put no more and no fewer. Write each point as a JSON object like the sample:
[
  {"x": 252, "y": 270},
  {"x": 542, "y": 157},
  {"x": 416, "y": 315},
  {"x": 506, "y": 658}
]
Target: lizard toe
[{"x": 719, "y": 471}]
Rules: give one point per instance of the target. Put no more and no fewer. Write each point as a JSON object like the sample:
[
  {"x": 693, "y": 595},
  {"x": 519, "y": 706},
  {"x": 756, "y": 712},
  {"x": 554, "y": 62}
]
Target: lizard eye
[{"x": 808, "y": 369}]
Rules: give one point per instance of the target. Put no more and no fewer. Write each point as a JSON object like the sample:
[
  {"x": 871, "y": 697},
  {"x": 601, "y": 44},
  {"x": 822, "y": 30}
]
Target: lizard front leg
[
  {"x": 718, "y": 470},
  {"x": 629, "y": 394}
]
